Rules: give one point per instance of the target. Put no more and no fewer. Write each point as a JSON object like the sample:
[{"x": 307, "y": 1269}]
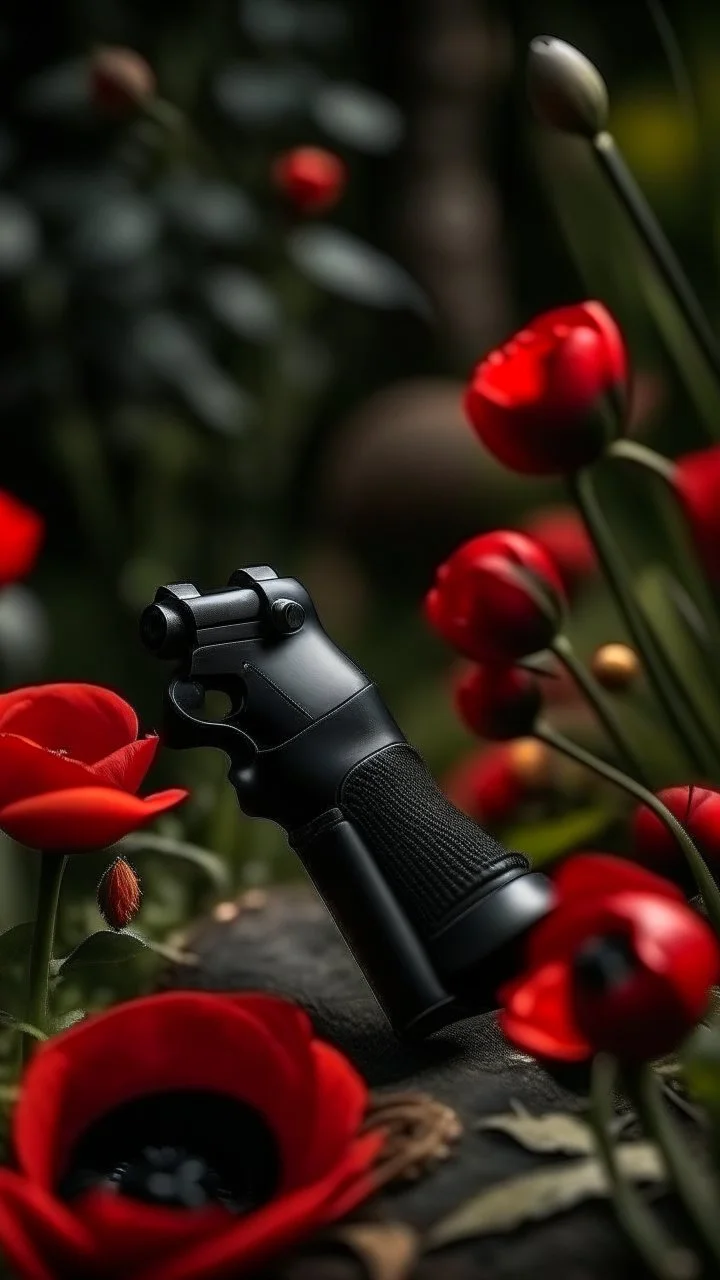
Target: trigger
[{"x": 183, "y": 729}]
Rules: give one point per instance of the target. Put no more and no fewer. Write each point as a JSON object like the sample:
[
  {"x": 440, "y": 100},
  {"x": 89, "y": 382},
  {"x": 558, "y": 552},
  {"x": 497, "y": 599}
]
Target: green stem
[
  {"x": 52, "y": 866},
  {"x": 644, "y": 1230},
  {"x": 655, "y": 464},
  {"x": 695, "y": 1189},
  {"x": 610, "y": 160},
  {"x": 562, "y": 648},
  {"x": 660, "y": 675},
  {"x": 703, "y": 878}
]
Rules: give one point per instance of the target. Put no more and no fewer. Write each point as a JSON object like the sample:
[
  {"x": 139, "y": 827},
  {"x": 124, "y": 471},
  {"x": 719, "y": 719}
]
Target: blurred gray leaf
[
  {"x": 215, "y": 212},
  {"x": 60, "y": 91},
  {"x": 20, "y": 240},
  {"x": 316, "y": 24},
  {"x": 553, "y": 1134},
  {"x": 63, "y": 193},
  {"x": 116, "y": 232},
  {"x": 352, "y": 269},
  {"x": 358, "y": 118},
  {"x": 243, "y": 302},
  {"x": 177, "y": 358},
  {"x": 253, "y": 96},
  {"x": 305, "y": 361},
  {"x": 24, "y": 633}
]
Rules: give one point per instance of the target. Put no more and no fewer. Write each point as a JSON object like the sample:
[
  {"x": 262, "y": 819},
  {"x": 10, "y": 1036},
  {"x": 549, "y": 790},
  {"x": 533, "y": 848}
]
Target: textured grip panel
[{"x": 433, "y": 856}]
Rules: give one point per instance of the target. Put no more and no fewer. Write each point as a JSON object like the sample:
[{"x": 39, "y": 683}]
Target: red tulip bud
[
  {"x": 492, "y": 783},
  {"x": 499, "y": 597},
  {"x": 696, "y": 477},
  {"x": 698, "y": 809},
  {"x": 498, "y": 702},
  {"x": 119, "y": 894},
  {"x": 121, "y": 81},
  {"x": 540, "y": 403},
  {"x": 311, "y": 179}
]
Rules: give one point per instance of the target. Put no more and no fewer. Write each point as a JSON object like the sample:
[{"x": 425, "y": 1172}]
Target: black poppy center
[
  {"x": 605, "y": 963},
  {"x": 185, "y": 1149}
]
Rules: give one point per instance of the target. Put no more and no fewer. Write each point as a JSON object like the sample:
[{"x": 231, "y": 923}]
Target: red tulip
[
  {"x": 499, "y": 597},
  {"x": 120, "y": 81},
  {"x": 311, "y": 179},
  {"x": 698, "y": 809},
  {"x": 498, "y": 702},
  {"x": 538, "y": 403},
  {"x": 696, "y": 478},
  {"x": 182, "y": 1136},
  {"x": 562, "y": 534},
  {"x": 487, "y": 786},
  {"x": 621, "y": 965},
  {"x": 70, "y": 766},
  {"x": 21, "y": 534}
]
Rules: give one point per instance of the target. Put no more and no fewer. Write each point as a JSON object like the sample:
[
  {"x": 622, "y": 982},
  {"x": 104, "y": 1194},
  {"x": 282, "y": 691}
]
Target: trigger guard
[{"x": 185, "y": 730}]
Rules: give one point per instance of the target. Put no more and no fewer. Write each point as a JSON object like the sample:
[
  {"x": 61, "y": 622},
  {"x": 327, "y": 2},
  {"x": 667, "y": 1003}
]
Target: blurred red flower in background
[
  {"x": 21, "y": 535},
  {"x": 181, "y": 1136},
  {"x": 70, "y": 766},
  {"x": 491, "y": 784},
  {"x": 497, "y": 598},
  {"x": 696, "y": 478},
  {"x": 311, "y": 179},
  {"x": 622, "y": 965},
  {"x": 538, "y": 402},
  {"x": 562, "y": 534},
  {"x": 698, "y": 809},
  {"x": 498, "y": 702}
]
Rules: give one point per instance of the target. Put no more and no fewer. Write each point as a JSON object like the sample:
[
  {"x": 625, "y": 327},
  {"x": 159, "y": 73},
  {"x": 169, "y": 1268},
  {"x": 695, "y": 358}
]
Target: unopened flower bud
[
  {"x": 119, "y": 894},
  {"x": 121, "y": 81},
  {"x": 531, "y": 761},
  {"x": 615, "y": 666},
  {"x": 565, "y": 89}
]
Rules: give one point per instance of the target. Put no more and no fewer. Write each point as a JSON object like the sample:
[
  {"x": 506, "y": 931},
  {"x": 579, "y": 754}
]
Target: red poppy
[
  {"x": 622, "y": 965},
  {"x": 497, "y": 598},
  {"x": 498, "y": 702},
  {"x": 698, "y": 809},
  {"x": 561, "y": 532},
  {"x": 538, "y": 403},
  {"x": 696, "y": 478},
  {"x": 310, "y": 178},
  {"x": 70, "y": 766},
  {"x": 180, "y": 1136},
  {"x": 21, "y": 534}
]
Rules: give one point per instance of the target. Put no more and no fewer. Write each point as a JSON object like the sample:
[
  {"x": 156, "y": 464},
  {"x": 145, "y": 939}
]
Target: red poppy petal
[
  {"x": 86, "y": 721},
  {"x": 130, "y": 1235},
  {"x": 83, "y": 818},
  {"x": 537, "y": 1017},
  {"x": 21, "y": 535},
  {"x": 590, "y": 874},
  {"x": 189, "y": 1039},
  {"x": 39, "y": 1235},
  {"x": 29, "y": 770},
  {"x": 282, "y": 1223},
  {"x": 126, "y": 768},
  {"x": 342, "y": 1099}
]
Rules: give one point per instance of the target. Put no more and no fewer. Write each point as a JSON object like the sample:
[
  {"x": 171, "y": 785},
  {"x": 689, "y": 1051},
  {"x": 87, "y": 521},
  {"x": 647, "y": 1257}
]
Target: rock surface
[{"x": 285, "y": 942}]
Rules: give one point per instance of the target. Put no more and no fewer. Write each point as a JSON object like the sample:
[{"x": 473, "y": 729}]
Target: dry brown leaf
[
  {"x": 387, "y": 1250},
  {"x": 421, "y": 1133},
  {"x": 540, "y": 1194},
  {"x": 557, "y": 1133}
]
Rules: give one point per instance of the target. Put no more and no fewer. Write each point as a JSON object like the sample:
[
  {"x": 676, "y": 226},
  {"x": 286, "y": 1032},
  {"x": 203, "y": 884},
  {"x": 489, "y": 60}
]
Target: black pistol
[{"x": 433, "y": 909}]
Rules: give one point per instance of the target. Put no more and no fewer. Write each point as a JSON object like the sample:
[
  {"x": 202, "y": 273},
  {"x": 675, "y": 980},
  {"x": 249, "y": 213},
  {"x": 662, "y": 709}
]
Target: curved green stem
[
  {"x": 52, "y": 866},
  {"x": 696, "y": 1191},
  {"x": 564, "y": 651},
  {"x": 704, "y": 880},
  {"x": 660, "y": 674},
  {"x": 661, "y": 1255}
]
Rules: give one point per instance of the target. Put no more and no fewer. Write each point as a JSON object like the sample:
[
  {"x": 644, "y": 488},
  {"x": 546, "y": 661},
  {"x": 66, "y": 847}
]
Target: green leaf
[
  {"x": 700, "y": 1061},
  {"x": 109, "y": 948},
  {"x": 12, "y": 1023},
  {"x": 15, "y": 943},
  {"x": 545, "y": 841},
  {"x": 657, "y": 594},
  {"x": 67, "y": 1020},
  {"x": 195, "y": 855},
  {"x": 540, "y": 1194}
]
